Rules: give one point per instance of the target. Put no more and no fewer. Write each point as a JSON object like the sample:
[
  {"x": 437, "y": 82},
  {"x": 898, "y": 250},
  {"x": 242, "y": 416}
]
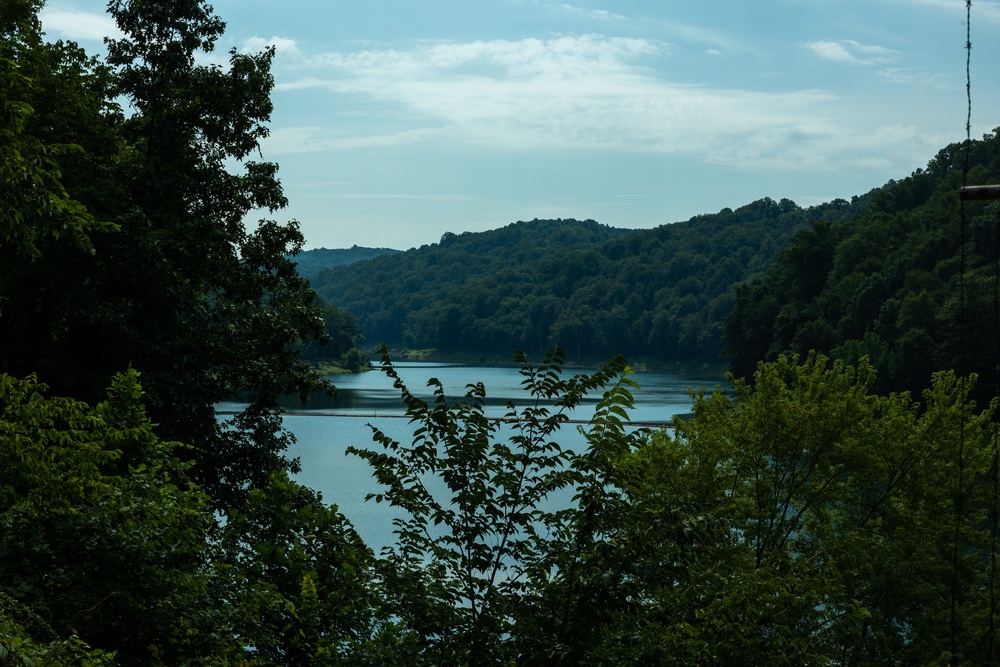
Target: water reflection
[
  {"x": 325, "y": 427},
  {"x": 371, "y": 394}
]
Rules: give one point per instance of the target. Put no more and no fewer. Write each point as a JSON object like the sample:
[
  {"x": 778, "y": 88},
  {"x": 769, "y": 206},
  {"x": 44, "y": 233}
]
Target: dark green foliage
[
  {"x": 804, "y": 521},
  {"x": 660, "y": 293},
  {"x": 106, "y": 540},
  {"x": 101, "y": 533},
  {"x": 35, "y": 207},
  {"x": 175, "y": 285},
  {"x": 302, "y": 577},
  {"x": 885, "y": 284},
  {"x": 341, "y": 342},
  {"x": 480, "y": 536},
  {"x": 311, "y": 262},
  {"x": 807, "y": 521},
  {"x": 25, "y": 638}
]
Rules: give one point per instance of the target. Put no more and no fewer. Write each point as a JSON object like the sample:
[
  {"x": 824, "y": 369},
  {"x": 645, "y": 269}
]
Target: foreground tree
[
  {"x": 808, "y": 521},
  {"x": 300, "y": 578},
  {"x": 106, "y": 541},
  {"x": 482, "y": 509},
  {"x": 34, "y": 204},
  {"x": 174, "y": 284},
  {"x": 101, "y": 534}
]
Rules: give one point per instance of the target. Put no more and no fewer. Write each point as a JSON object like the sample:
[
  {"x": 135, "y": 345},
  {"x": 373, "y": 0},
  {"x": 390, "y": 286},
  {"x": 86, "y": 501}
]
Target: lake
[{"x": 326, "y": 427}]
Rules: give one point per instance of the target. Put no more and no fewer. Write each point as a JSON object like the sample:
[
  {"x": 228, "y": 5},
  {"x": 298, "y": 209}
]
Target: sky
[{"x": 396, "y": 121}]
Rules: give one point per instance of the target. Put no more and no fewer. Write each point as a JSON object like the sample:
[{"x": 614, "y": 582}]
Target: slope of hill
[
  {"x": 889, "y": 283},
  {"x": 593, "y": 289},
  {"x": 311, "y": 262}
]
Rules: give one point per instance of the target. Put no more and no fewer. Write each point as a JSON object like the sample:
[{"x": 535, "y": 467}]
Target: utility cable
[{"x": 960, "y": 496}]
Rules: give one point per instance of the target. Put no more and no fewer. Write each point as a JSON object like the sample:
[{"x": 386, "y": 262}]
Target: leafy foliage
[
  {"x": 26, "y": 639},
  {"x": 104, "y": 541},
  {"x": 476, "y": 538},
  {"x": 311, "y": 262},
  {"x": 805, "y": 521},
  {"x": 176, "y": 285},
  {"x": 592, "y": 289},
  {"x": 101, "y": 532},
  {"x": 301, "y": 577},
  {"x": 34, "y": 204},
  {"x": 885, "y": 284},
  {"x": 106, "y": 538}
]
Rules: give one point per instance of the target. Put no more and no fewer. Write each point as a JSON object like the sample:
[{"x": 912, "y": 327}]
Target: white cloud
[
  {"x": 911, "y": 76},
  {"x": 312, "y": 139},
  {"x": 280, "y": 44},
  {"x": 78, "y": 25},
  {"x": 528, "y": 58},
  {"x": 598, "y": 14},
  {"x": 850, "y": 51},
  {"x": 592, "y": 92},
  {"x": 830, "y": 51}
]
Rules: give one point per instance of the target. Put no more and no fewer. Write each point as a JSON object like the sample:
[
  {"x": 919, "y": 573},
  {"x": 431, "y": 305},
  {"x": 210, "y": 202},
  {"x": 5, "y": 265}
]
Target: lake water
[{"x": 326, "y": 427}]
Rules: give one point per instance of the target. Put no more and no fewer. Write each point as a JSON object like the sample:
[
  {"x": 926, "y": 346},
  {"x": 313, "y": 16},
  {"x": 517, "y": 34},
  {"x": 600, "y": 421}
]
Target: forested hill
[
  {"x": 311, "y": 262},
  {"x": 593, "y": 289},
  {"x": 886, "y": 283},
  {"x": 395, "y": 297}
]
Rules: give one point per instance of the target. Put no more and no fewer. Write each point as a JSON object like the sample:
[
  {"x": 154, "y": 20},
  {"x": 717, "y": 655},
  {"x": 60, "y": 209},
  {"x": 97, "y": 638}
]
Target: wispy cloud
[
  {"x": 396, "y": 196},
  {"x": 712, "y": 39},
  {"x": 596, "y": 14},
  {"x": 590, "y": 92},
  {"x": 312, "y": 139},
  {"x": 850, "y": 51},
  {"x": 562, "y": 57},
  {"x": 912, "y": 76},
  {"x": 282, "y": 46},
  {"x": 78, "y": 25}
]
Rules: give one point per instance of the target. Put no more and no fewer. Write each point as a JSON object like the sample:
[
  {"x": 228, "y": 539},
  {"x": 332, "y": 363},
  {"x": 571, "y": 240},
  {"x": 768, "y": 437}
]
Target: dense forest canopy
[
  {"x": 146, "y": 263},
  {"x": 124, "y": 254},
  {"x": 311, "y": 262},
  {"x": 894, "y": 283},
  {"x": 659, "y": 293},
  {"x": 806, "y": 517}
]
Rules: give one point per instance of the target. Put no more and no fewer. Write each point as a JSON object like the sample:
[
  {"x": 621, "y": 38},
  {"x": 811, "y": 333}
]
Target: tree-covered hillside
[
  {"x": 888, "y": 283},
  {"x": 311, "y": 262},
  {"x": 594, "y": 290},
  {"x": 411, "y": 298}
]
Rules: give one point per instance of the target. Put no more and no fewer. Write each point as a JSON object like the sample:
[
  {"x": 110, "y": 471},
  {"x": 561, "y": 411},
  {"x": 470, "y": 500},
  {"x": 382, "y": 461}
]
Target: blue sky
[{"x": 397, "y": 121}]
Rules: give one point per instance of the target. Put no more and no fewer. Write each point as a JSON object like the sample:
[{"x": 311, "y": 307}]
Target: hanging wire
[
  {"x": 995, "y": 465},
  {"x": 960, "y": 496}
]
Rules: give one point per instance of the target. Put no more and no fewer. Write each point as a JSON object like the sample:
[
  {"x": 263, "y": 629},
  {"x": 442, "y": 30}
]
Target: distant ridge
[
  {"x": 657, "y": 294},
  {"x": 311, "y": 262}
]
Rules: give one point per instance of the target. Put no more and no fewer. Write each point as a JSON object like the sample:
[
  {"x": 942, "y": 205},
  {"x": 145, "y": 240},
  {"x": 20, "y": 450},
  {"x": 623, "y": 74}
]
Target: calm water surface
[{"x": 325, "y": 428}]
